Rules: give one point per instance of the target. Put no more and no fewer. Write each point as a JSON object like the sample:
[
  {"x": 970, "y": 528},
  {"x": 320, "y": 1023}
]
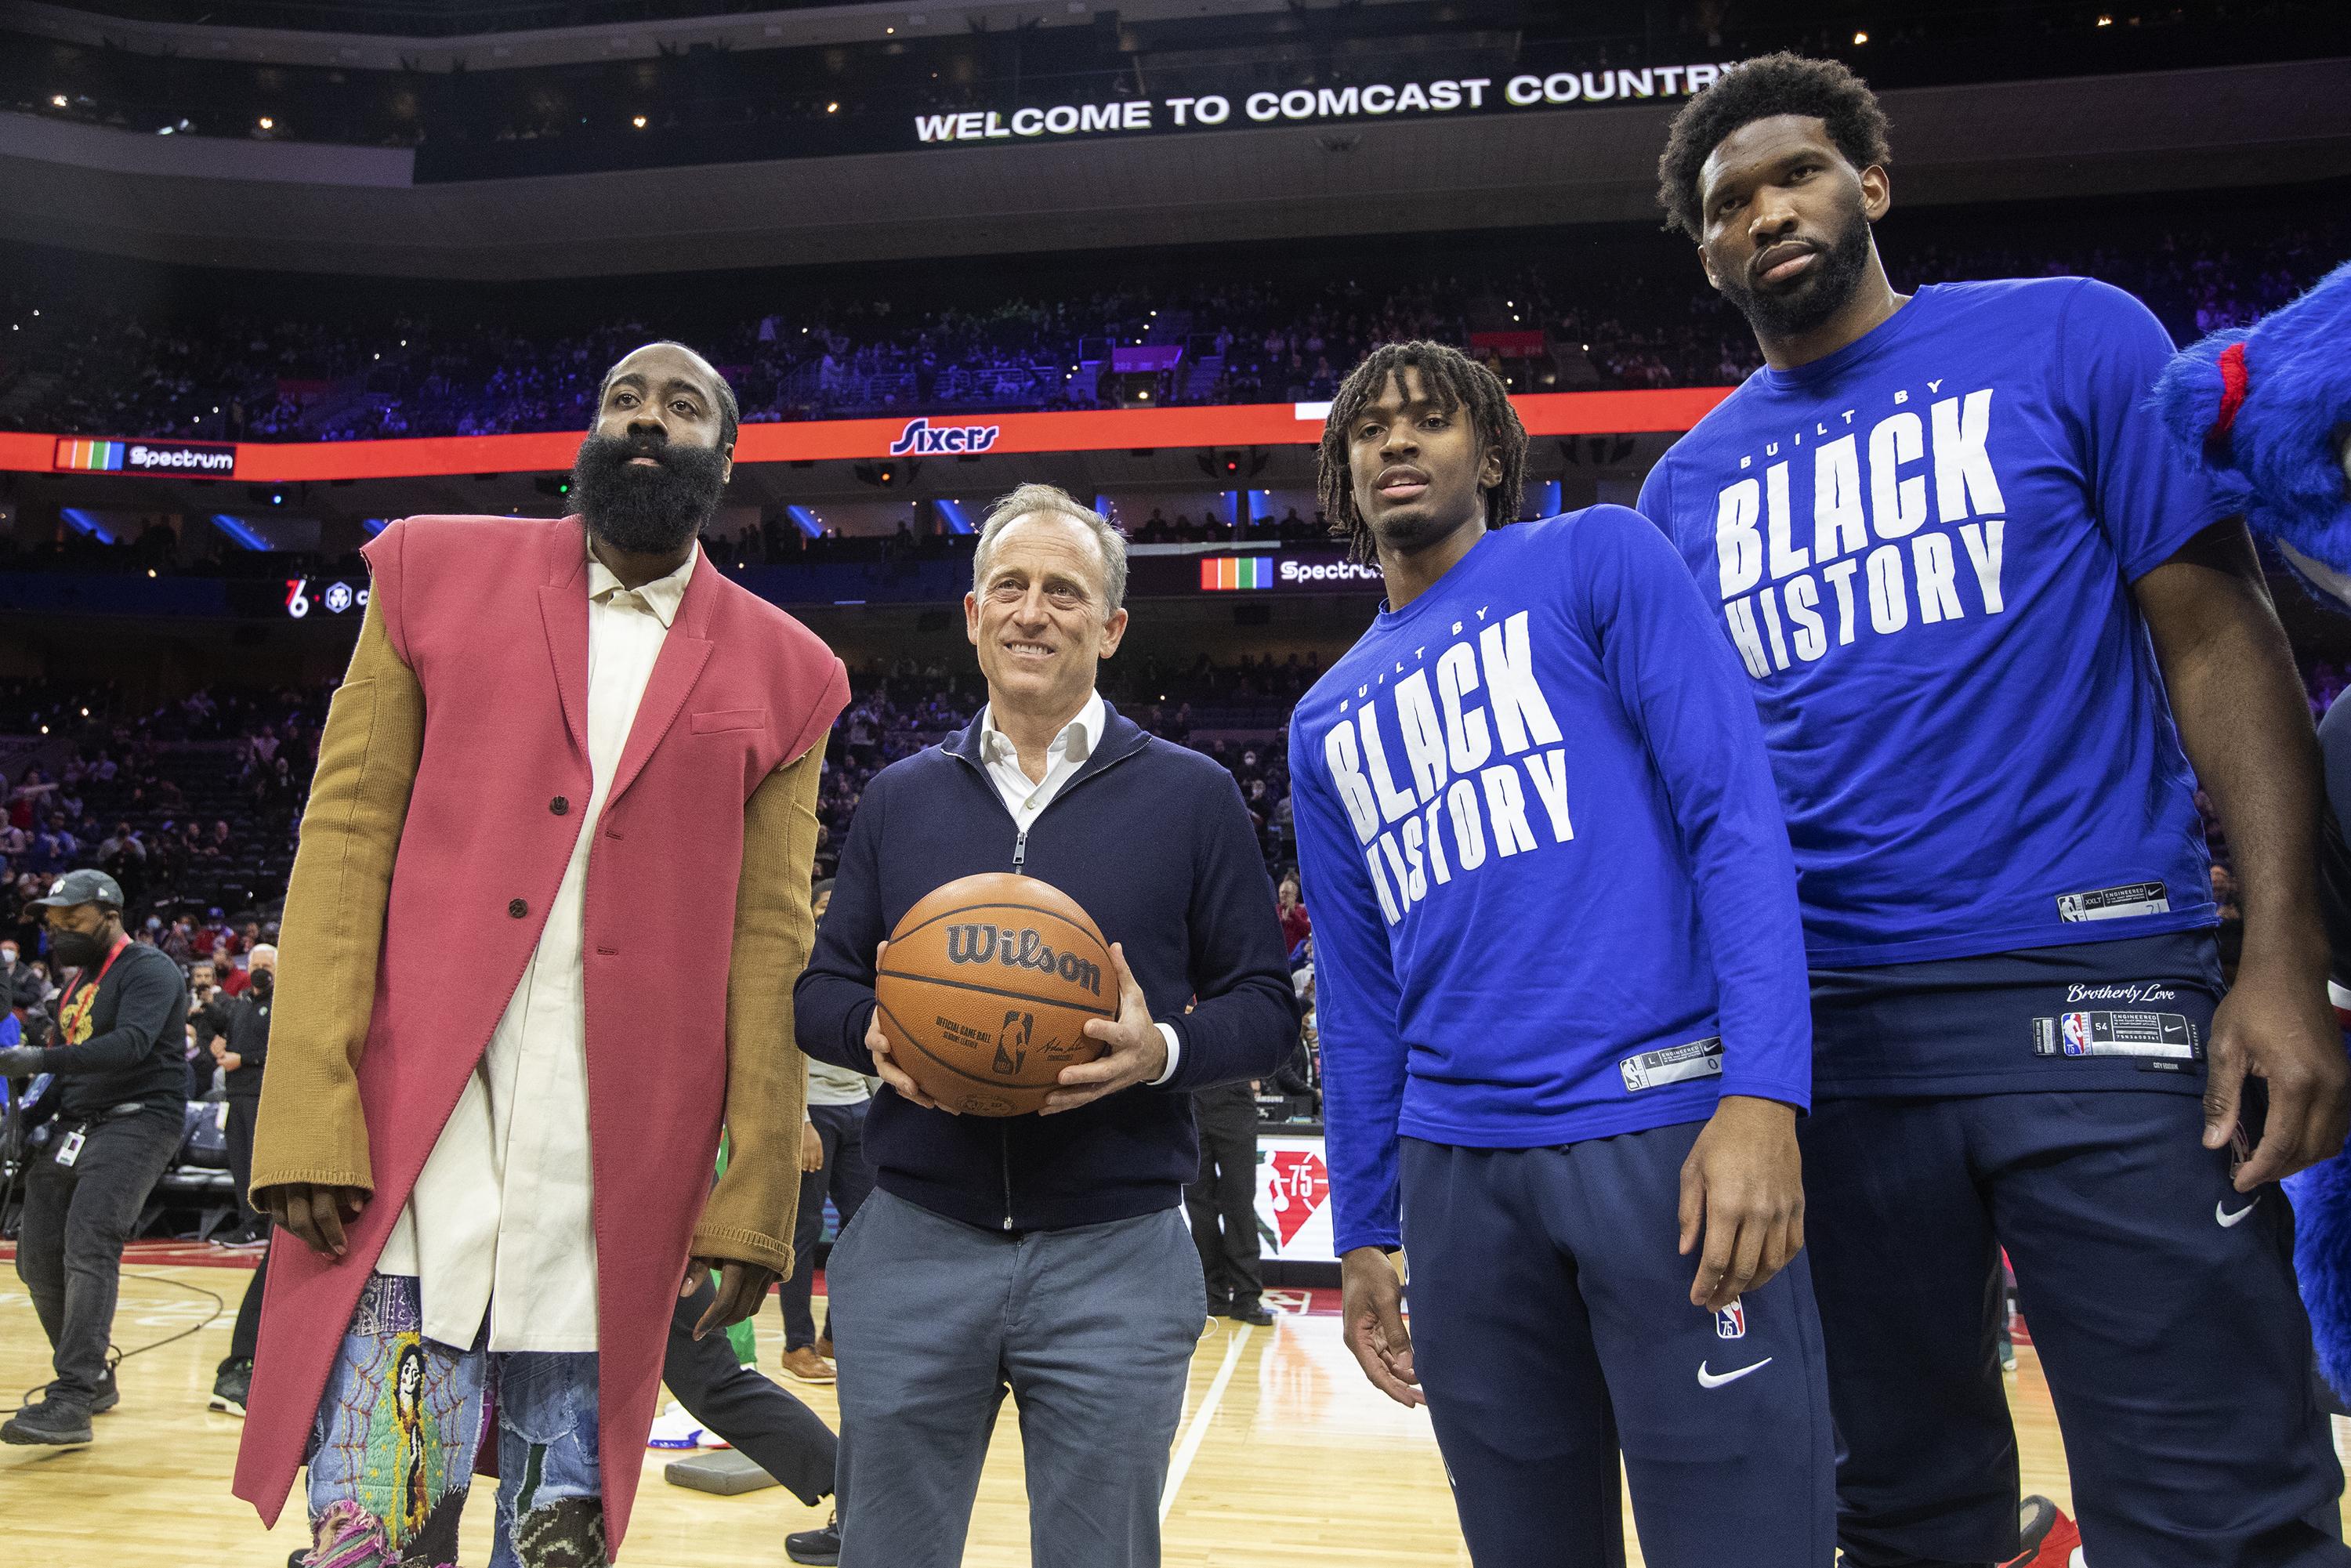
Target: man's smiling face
[{"x": 1038, "y": 618}]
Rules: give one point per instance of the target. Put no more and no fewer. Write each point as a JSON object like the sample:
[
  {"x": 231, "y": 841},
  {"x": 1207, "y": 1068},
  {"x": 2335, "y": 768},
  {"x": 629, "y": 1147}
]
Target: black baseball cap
[{"x": 79, "y": 887}]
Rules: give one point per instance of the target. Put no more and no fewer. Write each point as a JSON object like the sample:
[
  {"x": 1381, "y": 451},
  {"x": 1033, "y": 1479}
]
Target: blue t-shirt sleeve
[
  {"x": 1657, "y": 502},
  {"x": 2149, "y": 501},
  {"x": 1677, "y": 677},
  {"x": 1356, "y": 1003}
]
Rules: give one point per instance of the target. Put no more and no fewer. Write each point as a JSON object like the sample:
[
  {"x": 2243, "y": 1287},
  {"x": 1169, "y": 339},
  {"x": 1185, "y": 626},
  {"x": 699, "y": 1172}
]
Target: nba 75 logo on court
[{"x": 918, "y": 438}]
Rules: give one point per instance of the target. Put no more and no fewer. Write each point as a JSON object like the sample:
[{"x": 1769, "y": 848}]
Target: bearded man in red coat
[{"x": 540, "y": 947}]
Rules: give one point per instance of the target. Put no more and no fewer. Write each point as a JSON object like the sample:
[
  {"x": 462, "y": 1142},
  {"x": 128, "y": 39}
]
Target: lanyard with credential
[{"x": 75, "y": 1010}]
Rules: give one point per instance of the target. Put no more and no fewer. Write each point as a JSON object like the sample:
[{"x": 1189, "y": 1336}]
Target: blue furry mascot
[{"x": 2271, "y": 405}]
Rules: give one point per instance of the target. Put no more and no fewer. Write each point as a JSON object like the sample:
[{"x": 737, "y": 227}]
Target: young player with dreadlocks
[
  {"x": 1998, "y": 634},
  {"x": 1562, "y": 996}
]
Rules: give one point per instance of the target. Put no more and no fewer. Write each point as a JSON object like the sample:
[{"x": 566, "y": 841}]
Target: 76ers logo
[{"x": 1730, "y": 1323}]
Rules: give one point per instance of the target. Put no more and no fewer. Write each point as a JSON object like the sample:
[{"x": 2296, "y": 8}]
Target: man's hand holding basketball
[
  {"x": 1744, "y": 1188},
  {"x": 888, "y": 1070},
  {"x": 1371, "y": 1315},
  {"x": 1137, "y": 1053}
]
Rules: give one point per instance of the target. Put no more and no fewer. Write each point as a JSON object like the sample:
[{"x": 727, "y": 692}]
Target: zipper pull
[{"x": 1020, "y": 849}]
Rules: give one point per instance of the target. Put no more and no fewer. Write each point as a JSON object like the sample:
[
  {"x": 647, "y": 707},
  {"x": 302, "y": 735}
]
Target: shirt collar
[
  {"x": 662, "y": 596},
  {"x": 1076, "y": 741}
]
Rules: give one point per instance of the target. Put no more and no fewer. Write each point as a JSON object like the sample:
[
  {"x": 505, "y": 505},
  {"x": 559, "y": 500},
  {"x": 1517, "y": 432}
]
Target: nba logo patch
[
  {"x": 2076, "y": 1030},
  {"x": 1730, "y": 1323}
]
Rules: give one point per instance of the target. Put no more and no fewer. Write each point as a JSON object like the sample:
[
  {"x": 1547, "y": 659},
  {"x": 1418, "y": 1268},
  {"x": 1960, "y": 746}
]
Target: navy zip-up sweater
[{"x": 1152, "y": 840}]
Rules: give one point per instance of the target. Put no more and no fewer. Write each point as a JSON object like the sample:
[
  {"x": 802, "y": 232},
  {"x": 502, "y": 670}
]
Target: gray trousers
[{"x": 1090, "y": 1329}]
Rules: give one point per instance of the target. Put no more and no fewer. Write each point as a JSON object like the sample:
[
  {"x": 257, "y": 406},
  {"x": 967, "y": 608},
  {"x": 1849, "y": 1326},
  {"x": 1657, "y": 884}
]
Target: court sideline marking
[{"x": 1189, "y": 1443}]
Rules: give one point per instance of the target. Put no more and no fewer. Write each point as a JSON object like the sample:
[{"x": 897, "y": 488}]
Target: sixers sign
[{"x": 919, "y": 438}]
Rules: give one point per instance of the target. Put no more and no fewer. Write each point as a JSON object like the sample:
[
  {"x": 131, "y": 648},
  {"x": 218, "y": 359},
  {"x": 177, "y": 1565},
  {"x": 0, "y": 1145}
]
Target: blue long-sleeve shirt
[{"x": 1553, "y": 897}]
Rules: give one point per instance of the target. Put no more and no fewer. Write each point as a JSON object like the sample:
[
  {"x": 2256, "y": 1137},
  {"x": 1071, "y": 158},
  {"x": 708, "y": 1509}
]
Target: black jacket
[
  {"x": 134, "y": 1043},
  {"x": 244, "y": 1019},
  {"x": 1152, "y": 840},
  {"x": 19, "y": 986}
]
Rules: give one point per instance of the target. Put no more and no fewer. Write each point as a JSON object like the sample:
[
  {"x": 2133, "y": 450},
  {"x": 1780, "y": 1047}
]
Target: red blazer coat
[{"x": 491, "y": 616}]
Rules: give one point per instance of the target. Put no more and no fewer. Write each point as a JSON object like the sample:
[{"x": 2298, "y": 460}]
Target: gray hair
[{"x": 1030, "y": 498}]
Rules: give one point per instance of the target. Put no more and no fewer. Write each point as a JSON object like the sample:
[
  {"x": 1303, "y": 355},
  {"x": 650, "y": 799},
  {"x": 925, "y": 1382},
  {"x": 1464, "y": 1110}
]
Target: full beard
[
  {"x": 649, "y": 510},
  {"x": 1820, "y": 294}
]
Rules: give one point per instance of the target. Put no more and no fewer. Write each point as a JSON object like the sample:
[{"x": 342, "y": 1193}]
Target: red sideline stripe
[{"x": 1101, "y": 430}]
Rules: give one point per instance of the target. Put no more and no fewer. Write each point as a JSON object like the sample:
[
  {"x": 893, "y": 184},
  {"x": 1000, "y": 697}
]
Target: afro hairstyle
[{"x": 1766, "y": 86}]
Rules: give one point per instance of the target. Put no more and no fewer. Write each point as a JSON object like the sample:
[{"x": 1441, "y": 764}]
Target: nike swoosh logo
[
  {"x": 2221, "y": 1212},
  {"x": 1716, "y": 1379}
]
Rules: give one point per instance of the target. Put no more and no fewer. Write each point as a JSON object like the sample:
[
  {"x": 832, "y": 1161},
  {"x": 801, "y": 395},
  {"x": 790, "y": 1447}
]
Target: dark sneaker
[
  {"x": 52, "y": 1421},
  {"x": 109, "y": 1396},
  {"x": 822, "y": 1546},
  {"x": 1252, "y": 1312},
  {"x": 230, "y": 1388}
]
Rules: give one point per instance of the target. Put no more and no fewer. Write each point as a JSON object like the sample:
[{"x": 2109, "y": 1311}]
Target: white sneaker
[{"x": 674, "y": 1428}]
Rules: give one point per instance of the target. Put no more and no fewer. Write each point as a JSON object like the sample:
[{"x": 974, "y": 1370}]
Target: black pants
[
  {"x": 1223, "y": 1202},
  {"x": 774, "y": 1430},
  {"x": 77, "y": 1217},
  {"x": 849, "y": 1179},
  {"x": 2163, "y": 1305},
  {"x": 238, "y": 1136},
  {"x": 248, "y": 1332}
]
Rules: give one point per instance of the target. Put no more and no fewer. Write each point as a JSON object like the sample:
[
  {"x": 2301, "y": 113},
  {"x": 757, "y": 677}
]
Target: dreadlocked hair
[
  {"x": 1454, "y": 381},
  {"x": 1768, "y": 85}
]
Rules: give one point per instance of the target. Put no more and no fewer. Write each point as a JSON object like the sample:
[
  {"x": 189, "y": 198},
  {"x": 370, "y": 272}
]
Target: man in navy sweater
[
  {"x": 1554, "y": 1110},
  {"x": 1040, "y": 1252}
]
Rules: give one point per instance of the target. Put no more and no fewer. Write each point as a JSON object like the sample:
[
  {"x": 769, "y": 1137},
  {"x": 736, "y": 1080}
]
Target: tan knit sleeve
[
  {"x": 310, "y": 1127},
  {"x": 750, "y": 1214}
]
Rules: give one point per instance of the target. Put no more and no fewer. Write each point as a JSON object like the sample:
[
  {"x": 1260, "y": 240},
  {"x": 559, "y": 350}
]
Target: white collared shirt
[
  {"x": 1026, "y": 798},
  {"x": 502, "y": 1218}
]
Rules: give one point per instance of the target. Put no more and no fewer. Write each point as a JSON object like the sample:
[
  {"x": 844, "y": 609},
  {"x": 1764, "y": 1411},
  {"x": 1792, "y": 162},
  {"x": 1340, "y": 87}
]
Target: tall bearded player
[
  {"x": 539, "y": 947},
  {"x": 1998, "y": 635},
  {"x": 1562, "y": 1000}
]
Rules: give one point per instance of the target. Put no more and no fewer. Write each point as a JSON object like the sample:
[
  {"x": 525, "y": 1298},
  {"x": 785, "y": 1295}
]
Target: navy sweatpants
[
  {"x": 2161, "y": 1301},
  {"x": 1551, "y": 1326}
]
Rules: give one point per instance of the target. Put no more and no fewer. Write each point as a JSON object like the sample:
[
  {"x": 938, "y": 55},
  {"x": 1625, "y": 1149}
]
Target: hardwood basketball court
[{"x": 1287, "y": 1458}]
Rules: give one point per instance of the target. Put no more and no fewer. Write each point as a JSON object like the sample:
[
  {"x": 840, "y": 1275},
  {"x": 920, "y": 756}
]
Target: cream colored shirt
[
  {"x": 502, "y": 1216},
  {"x": 1025, "y": 798}
]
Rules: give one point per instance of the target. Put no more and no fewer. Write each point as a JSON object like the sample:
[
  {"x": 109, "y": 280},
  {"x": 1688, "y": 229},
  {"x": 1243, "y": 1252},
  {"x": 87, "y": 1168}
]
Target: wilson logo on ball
[
  {"x": 985, "y": 991},
  {"x": 1021, "y": 949}
]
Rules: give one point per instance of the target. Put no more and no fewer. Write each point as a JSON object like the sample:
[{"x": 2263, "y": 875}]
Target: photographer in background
[
  {"x": 235, "y": 1031},
  {"x": 118, "y": 1034}
]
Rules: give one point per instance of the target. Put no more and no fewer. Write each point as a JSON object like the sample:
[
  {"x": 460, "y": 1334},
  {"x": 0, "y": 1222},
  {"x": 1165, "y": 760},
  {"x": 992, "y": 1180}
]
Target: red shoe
[{"x": 2049, "y": 1537}]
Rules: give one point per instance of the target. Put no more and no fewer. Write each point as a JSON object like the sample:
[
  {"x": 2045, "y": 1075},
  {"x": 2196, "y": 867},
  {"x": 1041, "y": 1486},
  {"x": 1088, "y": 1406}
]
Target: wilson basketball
[{"x": 986, "y": 990}]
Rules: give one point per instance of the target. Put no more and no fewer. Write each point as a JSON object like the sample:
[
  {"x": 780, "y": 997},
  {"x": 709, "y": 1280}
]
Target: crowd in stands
[
  {"x": 194, "y": 806},
  {"x": 341, "y": 373}
]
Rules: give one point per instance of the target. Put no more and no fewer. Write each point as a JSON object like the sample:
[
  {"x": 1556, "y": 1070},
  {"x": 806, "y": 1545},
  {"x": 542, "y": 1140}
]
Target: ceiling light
[
  {"x": 639, "y": 122},
  {"x": 268, "y": 124},
  {"x": 830, "y": 107},
  {"x": 1861, "y": 37},
  {"x": 59, "y": 100}
]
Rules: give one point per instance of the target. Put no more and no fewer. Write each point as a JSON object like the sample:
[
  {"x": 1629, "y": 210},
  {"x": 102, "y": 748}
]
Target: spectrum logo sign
[
  {"x": 210, "y": 458},
  {"x": 1229, "y": 571}
]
